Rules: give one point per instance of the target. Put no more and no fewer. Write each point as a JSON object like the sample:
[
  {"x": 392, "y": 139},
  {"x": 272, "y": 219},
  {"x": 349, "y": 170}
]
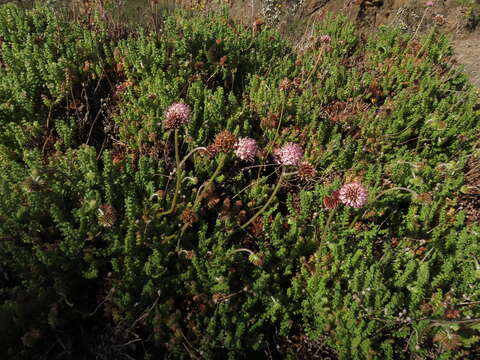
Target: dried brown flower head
[
  {"x": 225, "y": 141},
  {"x": 213, "y": 201},
  {"x": 424, "y": 198},
  {"x": 242, "y": 216},
  {"x": 332, "y": 201},
  {"x": 223, "y": 60},
  {"x": 210, "y": 151},
  {"x": 256, "y": 259},
  {"x": 297, "y": 82},
  {"x": 285, "y": 85},
  {"x": 199, "y": 65},
  {"x": 440, "y": 20},
  {"x": 415, "y": 45},
  {"x": 218, "y": 297},
  {"x": 189, "y": 217},
  {"x": 306, "y": 171},
  {"x": 447, "y": 340},
  {"x": 452, "y": 314},
  {"x": 256, "y": 227},
  {"x": 189, "y": 254},
  {"x": 269, "y": 121}
]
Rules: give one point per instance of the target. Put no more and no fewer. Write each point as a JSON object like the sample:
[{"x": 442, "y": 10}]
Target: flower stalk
[
  {"x": 275, "y": 190},
  {"x": 178, "y": 181},
  {"x": 200, "y": 195},
  {"x": 327, "y": 225},
  {"x": 378, "y": 197}
]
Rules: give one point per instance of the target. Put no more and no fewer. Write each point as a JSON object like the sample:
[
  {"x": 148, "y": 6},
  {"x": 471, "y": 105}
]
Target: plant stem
[
  {"x": 199, "y": 197},
  {"x": 320, "y": 53},
  {"x": 259, "y": 212},
  {"x": 281, "y": 118},
  {"x": 425, "y": 44},
  {"x": 327, "y": 224},
  {"x": 393, "y": 189},
  {"x": 420, "y": 23},
  {"x": 243, "y": 250},
  {"x": 190, "y": 154},
  {"x": 178, "y": 179},
  {"x": 207, "y": 185},
  {"x": 378, "y": 197}
]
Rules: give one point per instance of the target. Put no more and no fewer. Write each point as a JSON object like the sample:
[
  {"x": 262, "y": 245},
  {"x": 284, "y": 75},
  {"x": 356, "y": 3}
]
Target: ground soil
[
  {"x": 460, "y": 19},
  {"x": 467, "y": 51}
]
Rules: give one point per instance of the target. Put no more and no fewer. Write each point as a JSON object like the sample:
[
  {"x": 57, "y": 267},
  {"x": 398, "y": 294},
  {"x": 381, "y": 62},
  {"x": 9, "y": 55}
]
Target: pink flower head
[
  {"x": 177, "y": 115},
  {"x": 429, "y": 3},
  {"x": 246, "y": 148},
  {"x": 325, "y": 39},
  {"x": 353, "y": 194},
  {"x": 289, "y": 154}
]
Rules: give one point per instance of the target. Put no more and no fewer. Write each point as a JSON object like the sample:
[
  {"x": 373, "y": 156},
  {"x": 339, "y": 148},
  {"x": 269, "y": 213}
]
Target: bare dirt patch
[
  {"x": 460, "y": 19},
  {"x": 467, "y": 51}
]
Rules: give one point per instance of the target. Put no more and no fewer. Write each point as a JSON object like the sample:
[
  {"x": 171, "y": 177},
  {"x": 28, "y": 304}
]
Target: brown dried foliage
[{"x": 342, "y": 111}]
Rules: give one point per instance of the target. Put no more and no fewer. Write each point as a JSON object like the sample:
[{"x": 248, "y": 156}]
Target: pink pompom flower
[
  {"x": 246, "y": 148},
  {"x": 177, "y": 114},
  {"x": 353, "y": 194},
  {"x": 289, "y": 154}
]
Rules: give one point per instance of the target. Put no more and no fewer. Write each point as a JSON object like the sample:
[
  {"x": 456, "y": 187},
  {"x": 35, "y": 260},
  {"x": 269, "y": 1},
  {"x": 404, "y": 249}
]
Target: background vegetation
[{"x": 98, "y": 258}]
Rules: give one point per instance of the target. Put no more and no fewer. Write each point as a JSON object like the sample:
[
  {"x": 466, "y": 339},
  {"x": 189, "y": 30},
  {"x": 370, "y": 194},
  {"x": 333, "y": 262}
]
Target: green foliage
[{"x": 108, "y": 228}]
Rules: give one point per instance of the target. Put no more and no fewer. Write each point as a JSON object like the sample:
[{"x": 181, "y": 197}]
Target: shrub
[{"x": 118, "y": 232}]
